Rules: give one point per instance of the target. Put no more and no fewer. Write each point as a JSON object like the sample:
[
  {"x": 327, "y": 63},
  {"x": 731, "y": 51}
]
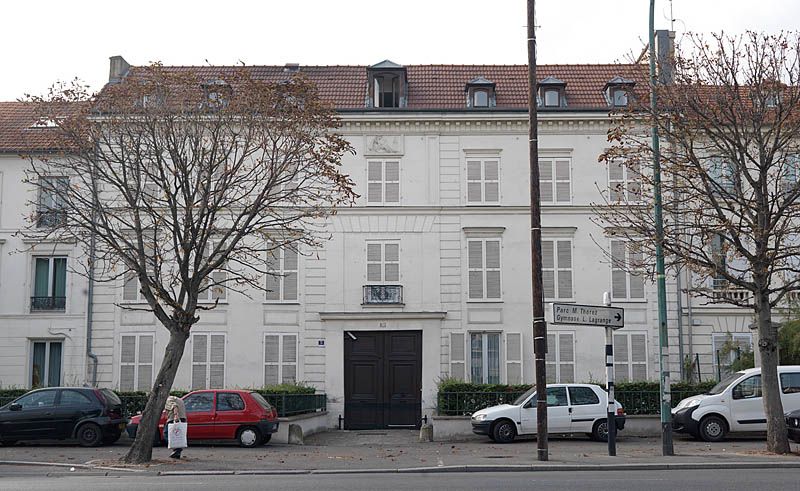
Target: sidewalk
[{"x": 399, "y": 451}]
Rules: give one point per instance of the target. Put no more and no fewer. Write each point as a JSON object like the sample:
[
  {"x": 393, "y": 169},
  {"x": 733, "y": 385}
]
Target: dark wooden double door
[{"x": 383, "y": 379}]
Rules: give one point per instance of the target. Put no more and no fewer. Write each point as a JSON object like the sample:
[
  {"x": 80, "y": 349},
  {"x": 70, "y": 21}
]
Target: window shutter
[
  {"x": 127, "y": 360},
  {"x": 621, "y": 358},
  {"x": 375, "y": 182},
  {"x": 513, "y": 358},
  {"x": 457, "y": 356},
  {"x": 616, "y": 181},
  {"x": 392, "y": 184},
  {"x": 474, "y": 181},
  {"x": 546, "y": 181},
  {"x": 548, "y": 269},
  {"x": 491, "y": 177},
  {"x": 638, "y": 357},
  {"x": 550, "y": 359},
  {"x": 145, "y": 377},
  {"x": 289, "y": 366},
  {"x": 216, "y": 376},
  {"x": 374, "y": 260},
  {"x": 566, "y": 358},
  {"x": 391, "y": 257},
  {"x": 219, "y": 291},
  {"x": 475, "y": 260},
  {"x": 636, "y": 280},
  {"x": 130, "y": 290},
  {"x": 493, "y": 287},
  {"x": 199, "y": 359},
  {"x": 562, "y": 181},
  {"x": 564, "y": 269},
  {"x": 271, "y": 359},
  {"x": 273, "y": 278},
  {"x": 619, "y": 288}
]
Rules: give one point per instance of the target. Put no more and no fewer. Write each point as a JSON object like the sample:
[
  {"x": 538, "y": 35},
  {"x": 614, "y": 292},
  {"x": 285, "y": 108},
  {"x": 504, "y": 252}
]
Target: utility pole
[
  {"x": 611, "y": 407},
  {"x": 663, "y": 340},
  {"x": 539, "y": 325}
]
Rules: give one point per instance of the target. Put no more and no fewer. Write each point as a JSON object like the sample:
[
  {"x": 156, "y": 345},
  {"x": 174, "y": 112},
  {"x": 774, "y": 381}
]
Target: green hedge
[{"x": 461, "y": 398}]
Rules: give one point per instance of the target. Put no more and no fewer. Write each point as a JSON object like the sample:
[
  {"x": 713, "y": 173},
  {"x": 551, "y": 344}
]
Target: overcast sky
[{"x": 42, "y": 41}]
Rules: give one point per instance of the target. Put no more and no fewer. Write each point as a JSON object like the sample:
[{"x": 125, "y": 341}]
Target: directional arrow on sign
[{"x": 588, "y": 315}]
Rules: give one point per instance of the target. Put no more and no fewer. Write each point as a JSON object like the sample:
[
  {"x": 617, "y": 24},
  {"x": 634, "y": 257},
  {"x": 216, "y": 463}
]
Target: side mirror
[{"x": 15, "y": 407}]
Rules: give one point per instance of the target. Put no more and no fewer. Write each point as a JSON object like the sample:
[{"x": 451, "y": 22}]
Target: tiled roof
[
  {"x": 441, "y": 87},
  {"x": 16, "y": 134}
]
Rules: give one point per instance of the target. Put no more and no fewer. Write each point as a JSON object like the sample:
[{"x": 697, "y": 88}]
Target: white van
[{"x": 734, "y": 404}]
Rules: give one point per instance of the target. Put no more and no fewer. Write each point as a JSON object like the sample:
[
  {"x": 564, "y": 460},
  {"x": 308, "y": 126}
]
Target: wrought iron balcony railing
[
  {"x": 48, "y": 303},
  {"x": 383, "y": 294}
]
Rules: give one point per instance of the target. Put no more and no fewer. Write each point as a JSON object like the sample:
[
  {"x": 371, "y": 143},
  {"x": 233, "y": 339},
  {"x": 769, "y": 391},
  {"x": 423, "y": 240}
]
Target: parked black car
[
  {"x": 793, "y": 425},
  {"x": 91, "y": 416}
]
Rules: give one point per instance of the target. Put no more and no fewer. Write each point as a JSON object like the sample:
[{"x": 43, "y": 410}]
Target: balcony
[
  {"x": 50, "y": 218},
  {"x": 41, "y": 304},
  {"x": 383, "y": 295}
]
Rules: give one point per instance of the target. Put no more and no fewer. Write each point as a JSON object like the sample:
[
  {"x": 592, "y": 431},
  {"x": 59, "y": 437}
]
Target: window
[
  {"x": 551, "y": 92},
  {"x": 208, "y": 361},
  {"x": 484, "y": 269},
  {"x": 557, "y": 396},
  {"x": 383, "y": 182},
  {"x": 727, "y": 348},
  {"x": 131, "y": 288},
  {"x": 790, "y": 382},
  {"x": 513, "y": 358},
  {"x": 280, "y": 359},
  {"x": 554, "y": 180},
  {"x": 217, "y": 290},
  {"x": 282, "y": 265},
  {"x": 201, "y": 402},
  {"x": 791, "y": 173},
  {"x": 617, "y": 90},
  {"x": 627, "y": 283},
  {"x": 483, "y": 181},
  {"x": 52, "y": 195},
  {"x": 484, "y": 357},
  {"x": 46, "y": 363},
  {"x": 624, "y": 182},
  {"x": 480, "y": 98},
  {"x": 136, "y": 362},
  {"x": 582, "y": 396},
  {"x": 457, "y": 356},
  {"x": 43, "y": 398},
  {"x": 383, "y": 262},
  {"x": 557, "y": 268},
  {"x": 718, "y": 281},
  {"x": 74, "y": 398},
  {"x": 630, "y": 357},
  {"x": 749, "y": 388},
  {"x": 723, "y": 176},
  {"x": 560, "y": 357},
  {"x": 228, "y": 401},
  {"x": 387, "y": 90},
  {"x": 552, "y": 98},
  {"x": 619, "y": 97},
  {"x": 49, "y": 283}
]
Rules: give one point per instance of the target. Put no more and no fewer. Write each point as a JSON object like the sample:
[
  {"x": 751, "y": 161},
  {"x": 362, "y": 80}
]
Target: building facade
[{"x": 426, "y": 277}]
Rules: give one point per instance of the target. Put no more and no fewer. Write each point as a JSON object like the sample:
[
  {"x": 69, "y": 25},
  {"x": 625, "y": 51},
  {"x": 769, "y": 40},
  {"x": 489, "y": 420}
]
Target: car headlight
[
  {"x": 689, "y": 403},
  {"x": 478, "y": 417}
]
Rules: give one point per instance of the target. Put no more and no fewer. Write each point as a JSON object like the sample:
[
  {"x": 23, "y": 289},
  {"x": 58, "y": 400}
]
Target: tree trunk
[
  {"x": 777, "y": 439},
  {"x": 142, "y": 449}
]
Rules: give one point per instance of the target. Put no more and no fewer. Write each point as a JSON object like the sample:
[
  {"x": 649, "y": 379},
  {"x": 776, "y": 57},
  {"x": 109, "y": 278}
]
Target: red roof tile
[{"x": 16, "y": 134}]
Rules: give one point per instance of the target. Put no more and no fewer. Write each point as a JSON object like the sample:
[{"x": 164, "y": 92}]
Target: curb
[
  {"x": 68, "y": 465},
  {"x": 501, "y": 468}
]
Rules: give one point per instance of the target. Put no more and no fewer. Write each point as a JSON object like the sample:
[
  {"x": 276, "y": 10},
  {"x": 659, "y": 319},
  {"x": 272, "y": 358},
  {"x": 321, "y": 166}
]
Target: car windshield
[
  {"x": 519, "y": 400},
  {"x": 260, "y": 400},
  {"x": 724, "y": 383}
]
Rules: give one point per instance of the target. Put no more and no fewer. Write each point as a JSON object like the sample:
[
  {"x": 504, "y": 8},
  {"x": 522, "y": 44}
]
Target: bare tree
[
  {"x": 183, "y": 188},
  {"x": 730, "y": 159}
]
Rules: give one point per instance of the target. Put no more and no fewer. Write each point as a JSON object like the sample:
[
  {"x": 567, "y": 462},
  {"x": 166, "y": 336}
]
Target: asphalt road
[{"x": 732, "y": 480}]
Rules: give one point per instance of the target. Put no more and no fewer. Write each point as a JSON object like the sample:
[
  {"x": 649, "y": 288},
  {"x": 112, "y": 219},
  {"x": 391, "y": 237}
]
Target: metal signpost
[{"x": 612, "y": 318}]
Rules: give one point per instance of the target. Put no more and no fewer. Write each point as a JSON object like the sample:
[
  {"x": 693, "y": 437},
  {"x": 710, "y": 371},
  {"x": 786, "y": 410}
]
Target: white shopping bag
[{"x": 177, "y": 435}]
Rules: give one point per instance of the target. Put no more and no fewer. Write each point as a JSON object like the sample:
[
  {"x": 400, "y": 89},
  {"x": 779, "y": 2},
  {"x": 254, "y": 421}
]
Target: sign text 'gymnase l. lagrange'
[{"x": 588, "y": 315}]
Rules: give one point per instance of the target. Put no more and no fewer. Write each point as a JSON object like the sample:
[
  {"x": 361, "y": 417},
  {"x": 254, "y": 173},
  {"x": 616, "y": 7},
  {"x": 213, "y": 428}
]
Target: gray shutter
[
  {"x": 289, "y": 362},
  {"x": 130, "y": 289},
  {"x": 217, "y": 348},
  {"x": 375, "y": 182},
  {"x": 619, "y": 287},
  {"x": 145, "y": 377},
  {"x": 513, "y": 358},
  {"x": 615, "y": 180},
  {"x": 562, "y": 181},
  {"x": 391, "y": 257},
  {"x": 271, "y": 359},
  {"x": 273, "y": 278},
  {"x": 550, "y": 359},
  {"x": 474, "y": 181},
  {"x": 638, "y": 357},
  {"x": 392, "y": 184},
  {"x": 374, "y": 260},
  {"x": 636, "y": 280},
  {"x": 621, "y": 373},
  {"x": 457, "y": 356},
  {"x": 199, "y": 360},
  {"x": 127, "y": 359},
  {"x": 546, "y": 181},
  {"x": 290, "y": 277},
  {"x": 216, "y": 376},
  {"x": 548, "y": 269},
  {"x": 564, "y": 269},
  {"x": 219, "y": 291},
  {"x": 491, "y": 177},
  {"x": 566, "y": 357},
  {"x": 493, "y": 287},
  {"x": 475, "y": 259}
]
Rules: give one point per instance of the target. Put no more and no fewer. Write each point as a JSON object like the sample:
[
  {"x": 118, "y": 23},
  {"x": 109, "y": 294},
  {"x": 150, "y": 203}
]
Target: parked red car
[{"x": 223, "y": 415}]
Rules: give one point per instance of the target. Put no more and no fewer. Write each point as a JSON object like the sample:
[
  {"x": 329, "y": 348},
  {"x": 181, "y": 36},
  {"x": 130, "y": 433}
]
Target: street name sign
[{"x": 588, "y": 315}]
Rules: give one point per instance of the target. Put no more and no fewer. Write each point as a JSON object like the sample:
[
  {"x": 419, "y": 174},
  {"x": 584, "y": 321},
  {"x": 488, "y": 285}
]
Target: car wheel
[
  {"x": 504, "y": 432},
  {"x": 249, "y": 437},
  {"x": 89, "y": 435},
  {"x": 600, "y": 430},
  {"x": 112, "y": 438},
  {"x": 713, "y": 429},
  {"x": 266, "y": 438}
]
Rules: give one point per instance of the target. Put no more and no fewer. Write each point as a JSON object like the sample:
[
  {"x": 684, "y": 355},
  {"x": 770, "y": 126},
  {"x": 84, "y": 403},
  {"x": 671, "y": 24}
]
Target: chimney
[
  {"x": 118, "y": 69},
  {"x": 665, "y": 56}
]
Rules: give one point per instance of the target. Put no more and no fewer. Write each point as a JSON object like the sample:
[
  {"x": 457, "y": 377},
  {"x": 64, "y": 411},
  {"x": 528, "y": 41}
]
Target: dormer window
[
  {"x": 617, "y": 91},
  {"x": 387, "y": 85},
  {"x": 480, "y": 93},
  {"x": 217, "y": 93},
  {"x": 551, "y": 92}
]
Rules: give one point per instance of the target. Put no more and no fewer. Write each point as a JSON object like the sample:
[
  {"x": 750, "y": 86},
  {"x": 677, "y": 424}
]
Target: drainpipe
[{"x": 89, "y": 311}]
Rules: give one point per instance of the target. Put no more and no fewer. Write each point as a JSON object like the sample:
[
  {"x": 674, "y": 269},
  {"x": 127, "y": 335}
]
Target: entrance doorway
[{"x": 382, "y": 379}]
